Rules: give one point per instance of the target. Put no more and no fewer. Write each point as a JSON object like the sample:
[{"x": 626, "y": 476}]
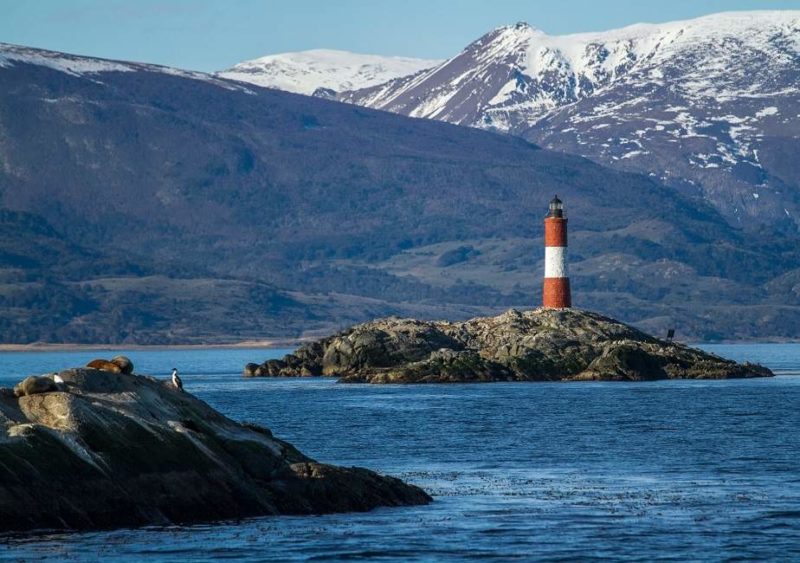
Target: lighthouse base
[{"x": 556, "y": 293}]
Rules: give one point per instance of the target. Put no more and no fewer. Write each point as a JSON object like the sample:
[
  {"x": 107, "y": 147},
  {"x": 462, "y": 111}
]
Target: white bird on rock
[{"x": 176, "y": 381}]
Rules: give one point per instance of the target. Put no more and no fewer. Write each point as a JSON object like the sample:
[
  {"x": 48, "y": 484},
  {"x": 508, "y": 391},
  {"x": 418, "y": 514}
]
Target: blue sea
[{"x": 673, "y": 470}]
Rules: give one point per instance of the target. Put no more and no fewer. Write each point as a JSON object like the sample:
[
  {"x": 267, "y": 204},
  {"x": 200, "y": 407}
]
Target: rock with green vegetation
[
  {"x": 105, "y": 450},
  {"x": 537, "y": 345}
]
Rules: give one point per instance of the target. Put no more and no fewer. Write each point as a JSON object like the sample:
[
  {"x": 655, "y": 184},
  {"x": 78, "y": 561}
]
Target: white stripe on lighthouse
[{"x": 555, "y": 262}]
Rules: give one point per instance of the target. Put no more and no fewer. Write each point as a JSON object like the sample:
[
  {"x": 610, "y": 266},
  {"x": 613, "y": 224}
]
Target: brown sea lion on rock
[
  {"x": 124, "y": 363},
  {"x": 33, "y": 385},
  {"x": 104, "y": 365}
]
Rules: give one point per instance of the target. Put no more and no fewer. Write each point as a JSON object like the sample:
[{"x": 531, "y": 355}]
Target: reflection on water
[{"x": 683, "y": 469}]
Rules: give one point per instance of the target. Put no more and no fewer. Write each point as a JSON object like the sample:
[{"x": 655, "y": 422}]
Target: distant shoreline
[
  {"x": 264, "y": 344},
  {"x": 60, "y": 347}
]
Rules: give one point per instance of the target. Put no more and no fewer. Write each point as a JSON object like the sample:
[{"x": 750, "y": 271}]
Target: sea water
[{"x": 701, "y": 470}]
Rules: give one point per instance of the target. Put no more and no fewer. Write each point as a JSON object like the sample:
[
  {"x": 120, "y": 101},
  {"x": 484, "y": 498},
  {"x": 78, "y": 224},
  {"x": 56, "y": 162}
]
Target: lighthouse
[{"x": 556, "y": 292}]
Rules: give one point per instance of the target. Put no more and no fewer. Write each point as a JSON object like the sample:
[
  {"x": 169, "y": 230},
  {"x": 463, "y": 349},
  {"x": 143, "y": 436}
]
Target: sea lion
[
  {"x": 104, "y": 365},
  {"x": 124, "y": 363},
  {"x": 33, "y": 385}
]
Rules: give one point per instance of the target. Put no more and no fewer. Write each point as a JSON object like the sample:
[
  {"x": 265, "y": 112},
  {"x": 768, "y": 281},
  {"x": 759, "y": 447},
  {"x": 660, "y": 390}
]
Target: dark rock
[
  {"x": 456, "y": 256},
  {"x": 251, "y": 370},
  {"x": 325, "y": 93},
  {"x": 537, "y": 345},
  {"x": 115, "y": 450}
]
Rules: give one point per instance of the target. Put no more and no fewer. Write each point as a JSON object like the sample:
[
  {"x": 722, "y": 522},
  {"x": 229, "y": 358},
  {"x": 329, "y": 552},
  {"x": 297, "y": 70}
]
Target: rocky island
[
  {"x": 543, "y": 344},
  {"x": 102, "y": 448}
]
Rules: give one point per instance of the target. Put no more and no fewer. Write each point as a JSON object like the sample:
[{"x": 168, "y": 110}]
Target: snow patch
[
  {"x": 305, "y": 71},
  {"x": 74, "y": 65},
  {"x": 631, "y": 154},
  {"x": 772, "y": 110},
  {"x": 69, "y": 64}
]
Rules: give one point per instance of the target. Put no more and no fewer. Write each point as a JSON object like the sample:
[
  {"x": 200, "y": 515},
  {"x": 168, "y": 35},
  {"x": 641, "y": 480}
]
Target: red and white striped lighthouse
[{"x": 556, "y": 292}]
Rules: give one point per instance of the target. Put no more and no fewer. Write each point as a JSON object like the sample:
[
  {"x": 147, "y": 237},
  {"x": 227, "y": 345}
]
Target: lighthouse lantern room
[{"x": 556, "y": 293}]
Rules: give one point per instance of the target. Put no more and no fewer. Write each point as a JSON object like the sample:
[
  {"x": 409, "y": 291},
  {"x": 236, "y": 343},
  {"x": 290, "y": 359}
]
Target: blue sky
[{"x": 213, "y": 35}]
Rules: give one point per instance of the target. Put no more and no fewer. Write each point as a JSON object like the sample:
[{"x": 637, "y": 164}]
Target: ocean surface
[{"x": 675, "y": 470}]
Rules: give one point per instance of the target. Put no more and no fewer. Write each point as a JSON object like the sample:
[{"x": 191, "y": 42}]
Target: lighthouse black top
[{"x": 556, "y": 208}]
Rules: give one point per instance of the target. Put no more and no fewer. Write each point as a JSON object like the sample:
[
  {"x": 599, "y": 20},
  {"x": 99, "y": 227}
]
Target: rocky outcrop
[
  {"x": 536, "y": 345},
  {"x": 101, "y": 450}
]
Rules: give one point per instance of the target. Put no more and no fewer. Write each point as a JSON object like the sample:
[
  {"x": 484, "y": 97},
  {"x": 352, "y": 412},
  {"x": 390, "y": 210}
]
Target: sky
[{"x": 211, "y": 35}]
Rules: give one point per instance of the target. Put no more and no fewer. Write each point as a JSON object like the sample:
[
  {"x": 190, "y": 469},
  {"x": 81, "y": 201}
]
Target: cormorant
[{"x": 176, "y": 381}]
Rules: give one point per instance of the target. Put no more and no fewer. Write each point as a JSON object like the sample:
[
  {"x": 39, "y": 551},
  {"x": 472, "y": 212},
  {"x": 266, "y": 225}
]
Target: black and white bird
[{"x": 176, "y": 381}]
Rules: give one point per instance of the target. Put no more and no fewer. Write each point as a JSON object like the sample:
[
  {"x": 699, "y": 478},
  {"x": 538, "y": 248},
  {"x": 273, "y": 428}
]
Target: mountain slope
[
  {"x": 710, "y": 106},
  {"x": 241, "y": 213},
  {"x": 306, "y": 72}
]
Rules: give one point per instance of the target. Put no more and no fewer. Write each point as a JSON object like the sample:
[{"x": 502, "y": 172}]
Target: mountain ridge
[
  {"x": 587, "y": 56},
  {"x": 323, "y": 70},
  {"x": 192, "y": 209},
  {"x": 710, "y": 106}
]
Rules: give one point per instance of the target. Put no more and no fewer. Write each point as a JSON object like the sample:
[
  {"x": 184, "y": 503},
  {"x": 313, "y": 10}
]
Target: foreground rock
[
  {"x": 537, "y": 345},
  {"x": 107, "y": 449}
]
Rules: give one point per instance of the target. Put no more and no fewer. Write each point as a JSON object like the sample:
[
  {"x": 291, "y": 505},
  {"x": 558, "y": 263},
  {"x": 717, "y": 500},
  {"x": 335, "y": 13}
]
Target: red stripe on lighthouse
[
  {"x": 555, "y": 231},
  {"x": 556, "y": 292}
]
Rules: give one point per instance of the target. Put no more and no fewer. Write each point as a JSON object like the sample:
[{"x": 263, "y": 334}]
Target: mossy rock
[{"x": 537, "y": 345}]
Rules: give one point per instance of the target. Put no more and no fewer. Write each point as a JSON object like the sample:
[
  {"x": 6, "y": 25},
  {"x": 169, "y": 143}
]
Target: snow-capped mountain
[
  {"x": 77, "y": 65},
  {"x": 113, "y": 174},
  {"x": 306, "y": 72},
  {"x": 711, "y": 105}
]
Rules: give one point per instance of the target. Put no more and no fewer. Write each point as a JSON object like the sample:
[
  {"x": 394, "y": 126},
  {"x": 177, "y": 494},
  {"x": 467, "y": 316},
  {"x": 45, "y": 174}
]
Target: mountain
[
  {"x": 710, "y": 106},
  {"x": 143, "y": 204},
  {"x": 323, "y": 70}
]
